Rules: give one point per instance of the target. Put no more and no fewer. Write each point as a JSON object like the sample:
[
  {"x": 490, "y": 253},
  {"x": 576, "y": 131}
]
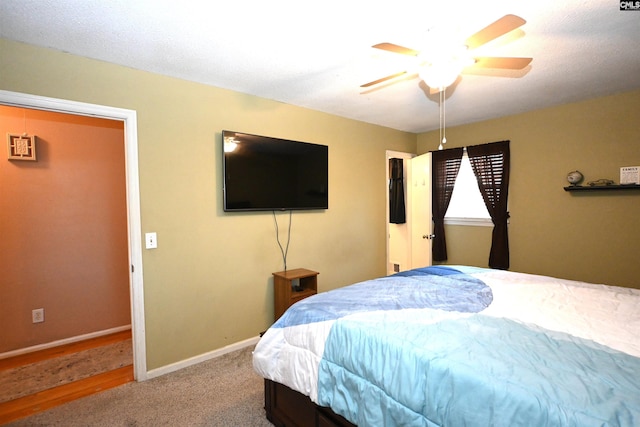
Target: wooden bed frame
[{"x": 288, "y": 408}]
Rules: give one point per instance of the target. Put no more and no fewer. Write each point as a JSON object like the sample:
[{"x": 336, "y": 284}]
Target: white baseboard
[
  {"x": 201, "y": 358},
  {"x": 52, "y": 344}
]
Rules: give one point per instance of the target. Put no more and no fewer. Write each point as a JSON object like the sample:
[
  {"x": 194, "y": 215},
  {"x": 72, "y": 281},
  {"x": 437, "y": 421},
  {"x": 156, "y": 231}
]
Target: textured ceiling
[{"x": 316, "y": 55}]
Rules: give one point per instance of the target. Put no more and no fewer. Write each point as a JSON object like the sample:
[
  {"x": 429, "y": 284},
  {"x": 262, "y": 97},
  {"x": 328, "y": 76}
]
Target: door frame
[
  {"x": 129, "y": 117},
  {"x": 389, "y": 154}
]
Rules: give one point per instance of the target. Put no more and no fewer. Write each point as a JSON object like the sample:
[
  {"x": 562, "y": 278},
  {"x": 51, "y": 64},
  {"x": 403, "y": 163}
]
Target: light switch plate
[{"x": 151, "y": 240}]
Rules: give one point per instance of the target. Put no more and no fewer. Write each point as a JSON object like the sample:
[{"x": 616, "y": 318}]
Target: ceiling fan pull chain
[
  {"x": 440, "y": 119},
  {"x": 444, "y": 115},
  {"x": 441, "y": 105}
]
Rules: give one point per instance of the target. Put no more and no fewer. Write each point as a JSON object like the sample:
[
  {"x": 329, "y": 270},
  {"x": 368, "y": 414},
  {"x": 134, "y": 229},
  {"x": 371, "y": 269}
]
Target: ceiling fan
[{"x": 443, "y": 59}]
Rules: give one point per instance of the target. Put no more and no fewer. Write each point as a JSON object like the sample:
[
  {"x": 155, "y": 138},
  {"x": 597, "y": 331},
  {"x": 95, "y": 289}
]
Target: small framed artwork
[
  {"x": 630, "y": 175},
  {"x": 21, "y": 147}
]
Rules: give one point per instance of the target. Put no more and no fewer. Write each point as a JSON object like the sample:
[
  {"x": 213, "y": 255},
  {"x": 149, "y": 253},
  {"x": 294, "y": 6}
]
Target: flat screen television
[{"x": 267, "y": 174}]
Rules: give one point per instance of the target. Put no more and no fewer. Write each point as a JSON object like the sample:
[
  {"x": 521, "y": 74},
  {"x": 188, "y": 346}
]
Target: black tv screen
[{"x": 263, "y": 173}]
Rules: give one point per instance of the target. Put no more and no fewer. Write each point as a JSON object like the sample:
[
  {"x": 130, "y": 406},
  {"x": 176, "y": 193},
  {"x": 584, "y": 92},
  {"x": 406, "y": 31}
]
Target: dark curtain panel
[
  {"x": 445, "y": 165},
  {"x": 490, "y": 164},
  {"x": 397, "y": 212}
]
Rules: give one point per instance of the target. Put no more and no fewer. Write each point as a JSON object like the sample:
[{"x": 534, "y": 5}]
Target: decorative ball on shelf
[{"x": 575, "y": 177}]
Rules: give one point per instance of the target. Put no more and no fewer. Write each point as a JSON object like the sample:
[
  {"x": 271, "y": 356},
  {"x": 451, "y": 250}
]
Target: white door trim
[
  {"x": 129, "y": 118},
  {"x": 389, "y": 154}
]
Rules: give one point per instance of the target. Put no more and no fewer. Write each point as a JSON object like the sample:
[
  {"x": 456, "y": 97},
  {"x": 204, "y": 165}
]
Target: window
[{"x": 467, "y": 206}]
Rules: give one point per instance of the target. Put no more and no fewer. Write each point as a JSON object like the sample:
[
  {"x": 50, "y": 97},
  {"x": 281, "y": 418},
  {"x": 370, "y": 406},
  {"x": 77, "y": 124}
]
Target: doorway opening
[
  {"x": 132, "y": 196},
  {"x": 409, "y": 243}
]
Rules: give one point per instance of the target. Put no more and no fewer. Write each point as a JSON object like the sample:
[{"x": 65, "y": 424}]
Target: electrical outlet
[{"x": 37, "y": 315}]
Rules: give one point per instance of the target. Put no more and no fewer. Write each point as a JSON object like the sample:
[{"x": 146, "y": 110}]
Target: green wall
[
  {"x": 587, "y": 236},
  {"x": 209, "y": 283}
]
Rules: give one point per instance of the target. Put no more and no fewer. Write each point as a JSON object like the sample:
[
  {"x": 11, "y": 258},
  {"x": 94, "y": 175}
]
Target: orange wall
[{"x": 63, "y": 229}]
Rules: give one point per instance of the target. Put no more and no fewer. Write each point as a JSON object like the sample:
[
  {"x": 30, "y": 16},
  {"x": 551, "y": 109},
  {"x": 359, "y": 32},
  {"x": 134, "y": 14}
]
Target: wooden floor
[{"x": 41, "y": 401}]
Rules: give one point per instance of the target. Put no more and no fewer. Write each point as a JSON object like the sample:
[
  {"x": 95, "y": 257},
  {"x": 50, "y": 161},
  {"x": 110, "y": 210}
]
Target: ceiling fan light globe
[
  {"x": 439, "y": 76},
  {"x": 441, "y": 64}
]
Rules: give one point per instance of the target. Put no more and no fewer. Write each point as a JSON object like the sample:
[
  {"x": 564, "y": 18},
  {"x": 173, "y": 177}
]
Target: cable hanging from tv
[{"x": 285, "y": 251}]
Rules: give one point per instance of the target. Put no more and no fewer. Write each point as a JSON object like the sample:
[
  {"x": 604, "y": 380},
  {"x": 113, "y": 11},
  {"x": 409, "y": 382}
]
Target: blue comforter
[
  {"x": 397, "y": 374},
  {"x": 418, "y": 351},
  {"x": 441, "y": 288}
]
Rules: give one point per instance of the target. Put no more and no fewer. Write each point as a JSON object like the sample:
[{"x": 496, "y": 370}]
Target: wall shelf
[{"x": 601, "y": 187}]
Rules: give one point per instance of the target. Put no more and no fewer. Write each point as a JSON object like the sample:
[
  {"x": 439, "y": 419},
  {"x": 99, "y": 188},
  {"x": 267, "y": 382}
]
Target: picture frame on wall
[{"x": 21, "y": 147}]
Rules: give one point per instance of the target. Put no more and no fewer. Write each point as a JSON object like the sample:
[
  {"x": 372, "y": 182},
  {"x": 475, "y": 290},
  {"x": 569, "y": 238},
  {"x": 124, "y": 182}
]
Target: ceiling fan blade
[
  {"x": 501, "y": 62},
  {"x": 492, "y": 31},
  {"x": 384, "y": 79},
  {"x": 396, "y": 49}
]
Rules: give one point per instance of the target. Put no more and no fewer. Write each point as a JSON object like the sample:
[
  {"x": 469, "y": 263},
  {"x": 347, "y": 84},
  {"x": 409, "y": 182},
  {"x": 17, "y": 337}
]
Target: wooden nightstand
[{"x": 285, "y": 292}]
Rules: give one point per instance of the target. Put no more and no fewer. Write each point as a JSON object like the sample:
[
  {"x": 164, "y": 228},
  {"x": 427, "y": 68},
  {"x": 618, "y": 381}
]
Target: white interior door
[
  {"x": 409, "y": 244},
  {"x": 420, "y": 201}
]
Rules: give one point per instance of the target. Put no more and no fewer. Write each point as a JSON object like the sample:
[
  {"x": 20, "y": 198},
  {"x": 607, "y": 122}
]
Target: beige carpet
[
  {"x": 30, "y": 379},
  {"x": 224, "y": 391}
]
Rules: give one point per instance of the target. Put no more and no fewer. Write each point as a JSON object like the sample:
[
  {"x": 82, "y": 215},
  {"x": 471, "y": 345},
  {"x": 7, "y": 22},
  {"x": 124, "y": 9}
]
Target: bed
[{"x": 456, "y": 346}]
